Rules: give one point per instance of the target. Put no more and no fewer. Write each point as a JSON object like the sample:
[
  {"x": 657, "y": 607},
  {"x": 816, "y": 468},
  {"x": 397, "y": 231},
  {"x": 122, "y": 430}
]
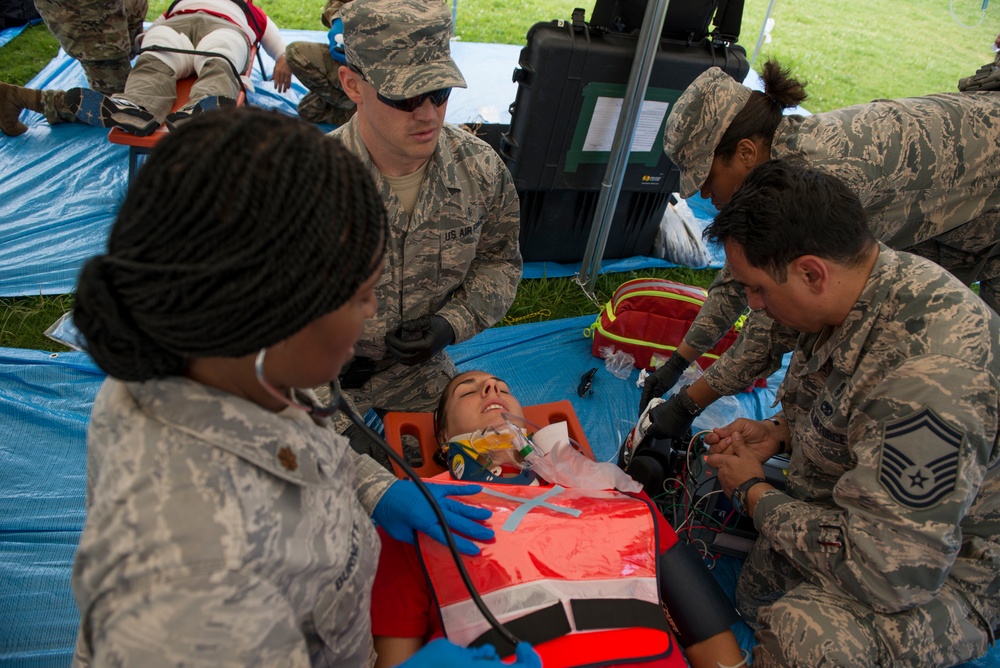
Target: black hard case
[{"x": 563, "y": 69}]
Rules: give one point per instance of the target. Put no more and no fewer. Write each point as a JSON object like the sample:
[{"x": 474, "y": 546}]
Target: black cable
[{"x": 341, "y": 405}]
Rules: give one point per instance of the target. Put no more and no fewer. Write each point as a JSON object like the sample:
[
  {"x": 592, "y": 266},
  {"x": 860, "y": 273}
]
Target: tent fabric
[{"x": 45, "y": 402}]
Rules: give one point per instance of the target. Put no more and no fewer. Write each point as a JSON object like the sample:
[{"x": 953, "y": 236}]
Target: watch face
[{"x": 738, "y": 502}]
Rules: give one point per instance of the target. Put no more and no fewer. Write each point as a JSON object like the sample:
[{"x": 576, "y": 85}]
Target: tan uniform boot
[{"x": 14, "y": 100}]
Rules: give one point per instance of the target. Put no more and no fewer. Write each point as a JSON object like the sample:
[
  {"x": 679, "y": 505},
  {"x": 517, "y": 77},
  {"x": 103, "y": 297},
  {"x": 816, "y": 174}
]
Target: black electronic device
[
  {"x": 571, "y": 80},
  {"x": 686, "y": 20},
  {"x": 716, "y": 522}
]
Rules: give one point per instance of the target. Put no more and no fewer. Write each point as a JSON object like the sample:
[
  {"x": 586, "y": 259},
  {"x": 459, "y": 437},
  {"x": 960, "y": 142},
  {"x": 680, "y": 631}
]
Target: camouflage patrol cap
[
  {"x": 697, "y": 122},
  {"x": 401, "y": 46}
]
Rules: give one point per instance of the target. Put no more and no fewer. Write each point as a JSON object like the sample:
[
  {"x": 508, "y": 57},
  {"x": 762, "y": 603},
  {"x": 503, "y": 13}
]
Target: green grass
[
  {"x": 852, "y": 52},
  {"x": 848, "y": 51},
  {"x": 23, "y": 321},
  {"x": 549, "y": 298},
  {"x": 23, "y": 57}
]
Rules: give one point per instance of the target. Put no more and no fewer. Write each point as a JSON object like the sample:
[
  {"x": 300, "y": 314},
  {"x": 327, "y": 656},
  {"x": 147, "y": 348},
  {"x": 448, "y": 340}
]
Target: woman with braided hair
[{"x": 227, "y": 521}]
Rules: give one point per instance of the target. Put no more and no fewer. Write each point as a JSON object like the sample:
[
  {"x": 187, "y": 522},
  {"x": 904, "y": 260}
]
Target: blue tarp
[
  {"x": 8, "y": 34},
  {"x": 63, "y": 184},
  {"x": 45, "y": 402}
]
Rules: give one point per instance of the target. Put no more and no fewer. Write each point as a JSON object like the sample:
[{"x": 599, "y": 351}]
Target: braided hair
[{"x": 243, "y": 227}]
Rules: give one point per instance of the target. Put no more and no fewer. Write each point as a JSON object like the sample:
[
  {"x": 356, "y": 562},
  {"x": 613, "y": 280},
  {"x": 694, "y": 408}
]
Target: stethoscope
[{"x": 339, "y": 404}]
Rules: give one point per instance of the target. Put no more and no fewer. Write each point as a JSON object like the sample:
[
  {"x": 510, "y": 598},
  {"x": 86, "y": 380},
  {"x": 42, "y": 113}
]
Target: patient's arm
[
  {"x": 719, "y": 650},
  {"x": 394, "y": 651}
]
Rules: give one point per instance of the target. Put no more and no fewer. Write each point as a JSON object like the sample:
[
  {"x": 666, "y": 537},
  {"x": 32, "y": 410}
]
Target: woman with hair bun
[
  {"x": 927, "y": 171},
  {"x": 228, "y": 524}
]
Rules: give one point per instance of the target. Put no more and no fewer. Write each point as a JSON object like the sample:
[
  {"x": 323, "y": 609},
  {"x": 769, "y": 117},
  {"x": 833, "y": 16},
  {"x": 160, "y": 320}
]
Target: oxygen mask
[{"x": 494, "y": 454}]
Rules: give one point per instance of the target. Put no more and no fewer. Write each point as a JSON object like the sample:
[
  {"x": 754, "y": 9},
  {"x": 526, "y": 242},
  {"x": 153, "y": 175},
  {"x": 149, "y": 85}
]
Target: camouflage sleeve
[
  {"x": 371, "y": 480},
  {"x": 194, "y": 622},
  {"x": 725, "y": 303},
  {"x": 491, "y": 281},
  {"x": 757, "y": 353},
  {"x": 331, "y": 11},
  {"x": 891, "y": 532}
]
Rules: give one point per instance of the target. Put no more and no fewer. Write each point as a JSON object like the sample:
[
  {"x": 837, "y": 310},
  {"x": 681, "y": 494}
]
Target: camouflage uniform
[
  {"x": 457, "y": 256},
  {"x": 312, "y": 63},
  {"x": 927, "y": 171},
  {"x": 223, "y": 534},
  {"x": 887, "y": 540},
  {"x": 101, "y": 35}
]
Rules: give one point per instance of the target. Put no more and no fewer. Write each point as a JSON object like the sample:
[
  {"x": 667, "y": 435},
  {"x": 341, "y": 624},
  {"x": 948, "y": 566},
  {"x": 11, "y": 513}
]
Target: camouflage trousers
[
  {"x": 101, "y": 34},
  {"x": 966, "y": 250},
  {"x": 800, "y": 623},
  {"x": 398, "y": 388},
  {"x": 326, "y": 101}
]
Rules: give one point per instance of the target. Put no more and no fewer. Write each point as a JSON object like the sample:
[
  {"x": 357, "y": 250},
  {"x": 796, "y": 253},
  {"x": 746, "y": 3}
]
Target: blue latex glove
[
  {"x": 336, "y": 39},
  {"x": 441, "y": 653},
  {"x": 403, "y": 510}
]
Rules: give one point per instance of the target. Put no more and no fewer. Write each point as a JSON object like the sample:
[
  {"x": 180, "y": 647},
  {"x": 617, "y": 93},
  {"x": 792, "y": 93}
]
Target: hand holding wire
[
  {"x": 403, "y": 510},
  {"x": 758, "y": 436},
  {"x": 738, "y": 464}
]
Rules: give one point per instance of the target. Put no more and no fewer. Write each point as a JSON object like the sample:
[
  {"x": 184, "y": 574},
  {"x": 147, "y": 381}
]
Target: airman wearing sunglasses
[{"x": 452, "y": 258}]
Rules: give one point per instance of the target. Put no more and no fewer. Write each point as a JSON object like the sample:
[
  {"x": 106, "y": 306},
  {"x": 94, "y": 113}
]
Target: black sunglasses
[
  {"x": 410, "y": 104},
  {"x": 437, "y": 98}
]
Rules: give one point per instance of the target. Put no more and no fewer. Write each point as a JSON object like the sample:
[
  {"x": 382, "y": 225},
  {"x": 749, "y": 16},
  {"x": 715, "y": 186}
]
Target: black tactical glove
[
  {"x": 661, "y": 380},
  {"x": 673, "y": 417},
  {"x": 986, "y": 77},
  {"x": 420, "y": 339}
]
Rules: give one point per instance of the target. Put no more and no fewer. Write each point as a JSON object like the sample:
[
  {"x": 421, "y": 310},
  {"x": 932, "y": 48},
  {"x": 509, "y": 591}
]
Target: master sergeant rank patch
[{"x": 919, "y": 464}]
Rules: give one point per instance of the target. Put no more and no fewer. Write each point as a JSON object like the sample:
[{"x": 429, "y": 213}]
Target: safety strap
[{"x": 589, "y": 614}]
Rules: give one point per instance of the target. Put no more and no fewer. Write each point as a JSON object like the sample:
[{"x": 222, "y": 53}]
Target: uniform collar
[{"x": 289, "y": 444}]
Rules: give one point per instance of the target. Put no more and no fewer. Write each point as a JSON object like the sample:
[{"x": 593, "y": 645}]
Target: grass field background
[{"x": 848, "y": 52}]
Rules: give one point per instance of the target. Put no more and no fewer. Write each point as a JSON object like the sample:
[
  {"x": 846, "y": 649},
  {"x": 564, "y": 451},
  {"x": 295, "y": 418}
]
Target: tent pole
[
  {"x": 760, "y": 38},
  {"x": 645, "y": 55}
]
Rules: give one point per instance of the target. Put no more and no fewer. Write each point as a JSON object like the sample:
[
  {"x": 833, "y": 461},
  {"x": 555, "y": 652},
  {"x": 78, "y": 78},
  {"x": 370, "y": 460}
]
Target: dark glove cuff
[
  {"x": 687, "y": 403},
  {"x": 678, "y": 362}
]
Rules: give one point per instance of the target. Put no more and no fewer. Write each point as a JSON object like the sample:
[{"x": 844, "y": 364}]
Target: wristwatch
[{"x": 740, "y": 495}]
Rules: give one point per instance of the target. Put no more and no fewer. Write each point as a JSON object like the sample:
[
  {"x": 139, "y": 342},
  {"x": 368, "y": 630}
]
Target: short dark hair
[{"x": 785, "y": 210}]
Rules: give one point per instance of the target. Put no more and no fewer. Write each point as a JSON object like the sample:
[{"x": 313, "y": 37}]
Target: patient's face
[{"x": 474, "y": 401}]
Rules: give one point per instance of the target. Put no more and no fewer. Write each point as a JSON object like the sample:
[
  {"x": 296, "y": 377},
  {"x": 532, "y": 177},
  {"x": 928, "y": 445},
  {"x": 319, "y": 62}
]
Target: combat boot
[{"x": 14, "y": 100}]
